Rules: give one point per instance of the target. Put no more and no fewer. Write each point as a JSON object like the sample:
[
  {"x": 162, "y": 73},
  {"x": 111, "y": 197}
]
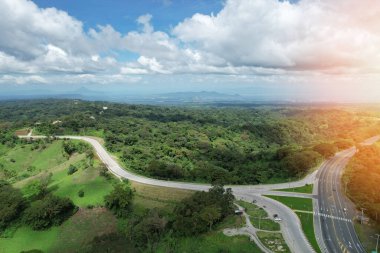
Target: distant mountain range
[
  {"x": 84, "y": 93},
  {"x": 198, "y": 97}
]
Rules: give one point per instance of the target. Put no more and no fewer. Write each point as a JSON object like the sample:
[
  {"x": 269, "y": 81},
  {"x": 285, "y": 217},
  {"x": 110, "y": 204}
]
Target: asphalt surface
[{"x": 334, "y": 212}]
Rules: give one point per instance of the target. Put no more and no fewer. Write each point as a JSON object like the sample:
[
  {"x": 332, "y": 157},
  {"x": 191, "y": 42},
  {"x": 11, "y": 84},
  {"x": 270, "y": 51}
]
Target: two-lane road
[{"x": 290, "y": 226}]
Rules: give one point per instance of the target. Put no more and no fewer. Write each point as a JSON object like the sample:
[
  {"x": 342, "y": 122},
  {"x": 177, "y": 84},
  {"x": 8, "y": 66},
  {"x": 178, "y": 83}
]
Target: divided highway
[{"x": 333, "y": 211}]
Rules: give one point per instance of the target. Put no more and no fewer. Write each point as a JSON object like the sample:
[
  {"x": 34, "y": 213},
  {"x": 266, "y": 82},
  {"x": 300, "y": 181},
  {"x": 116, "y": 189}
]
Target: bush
[
  {"x": 103, "y": 172},
  {"x": 11, "y": 204},
  {"x": 49, "y": 211},
  {"x": 81, "y": 194},
  {"x": 200, "y": 212},
  {"x": 163, "y": 170},
  {"x": 299, "y": 163},
  {"x": 72, "y": 170},
  {"x": 38, "y": 188},
  {"x": 325, "y": 149},
  {"x": 119, "y": 200}
]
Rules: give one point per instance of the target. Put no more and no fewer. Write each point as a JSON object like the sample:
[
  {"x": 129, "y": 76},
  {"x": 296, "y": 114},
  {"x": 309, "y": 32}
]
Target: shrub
[
  {"x": 325, "y": 149},
  {"x": 11, "y": 204},
  {"x": 72, "y": 170},
  {"x": 103, "y": 172},
  {"x": 49, "y": 211},
  {"x": 119, "y": 200},
  {"x": 81, "y": 193}
]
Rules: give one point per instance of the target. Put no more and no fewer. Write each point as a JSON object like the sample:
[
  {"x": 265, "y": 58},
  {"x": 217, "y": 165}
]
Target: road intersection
[{"x": 333, "y": 225}]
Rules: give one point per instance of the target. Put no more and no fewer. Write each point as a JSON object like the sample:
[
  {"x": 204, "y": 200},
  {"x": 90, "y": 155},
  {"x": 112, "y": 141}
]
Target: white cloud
[
  {"x": 35, "y": 79},
  {"x": 247, "y": 38},
  {"x": 308, "y": 35}
]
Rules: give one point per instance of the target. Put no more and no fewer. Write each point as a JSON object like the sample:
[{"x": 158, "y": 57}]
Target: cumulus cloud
[
  {"x": 311, "y": 34},
  {"x": 247, "y": 38}
]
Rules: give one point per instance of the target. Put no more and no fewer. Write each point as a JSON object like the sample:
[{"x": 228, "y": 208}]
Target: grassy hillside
[
  {"x": 92, "y": 221},
  {"x": 27, "y": 160}
]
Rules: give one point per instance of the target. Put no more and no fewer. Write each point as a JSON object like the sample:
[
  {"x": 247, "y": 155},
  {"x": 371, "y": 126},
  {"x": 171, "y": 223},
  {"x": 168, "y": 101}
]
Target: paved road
[
  {"x": 290, "y": 225},
  {"x": 334, "y": 226}
]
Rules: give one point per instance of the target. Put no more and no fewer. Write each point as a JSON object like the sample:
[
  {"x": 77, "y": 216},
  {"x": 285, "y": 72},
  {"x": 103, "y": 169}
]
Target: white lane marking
[{"x": 332, "y": 217}]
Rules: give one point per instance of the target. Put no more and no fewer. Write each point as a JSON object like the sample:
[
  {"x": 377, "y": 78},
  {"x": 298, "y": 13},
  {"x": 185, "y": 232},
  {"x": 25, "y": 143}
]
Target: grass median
[
  {"x": 259, "y": 217},
  {"x": 308, "y": 188},
  {"x": 303, "y": 207}
]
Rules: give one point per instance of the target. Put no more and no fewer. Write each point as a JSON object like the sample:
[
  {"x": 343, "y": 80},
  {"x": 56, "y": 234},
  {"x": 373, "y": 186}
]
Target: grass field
[
  {"x": 86, "y": 179},
  {"x": 213, "y": 242},
  {"x": 294, "y": 203},
  {"x": 75, "y": 234},
  {"x": 27, "y": 239},
  {"x": 259, "y": 217},
  {"x": 273, "y": 241},
  {"x": 308, "y": 188},
  {"x": 22, "y": 161},
  {"x": 148, "y": 197},
  {"x": 308, "y": 228}
]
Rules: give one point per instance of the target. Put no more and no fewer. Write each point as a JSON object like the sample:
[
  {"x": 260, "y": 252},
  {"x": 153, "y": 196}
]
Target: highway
[
  {"x": 334, "y": 212},
  {"x": 333, "y": 226}
]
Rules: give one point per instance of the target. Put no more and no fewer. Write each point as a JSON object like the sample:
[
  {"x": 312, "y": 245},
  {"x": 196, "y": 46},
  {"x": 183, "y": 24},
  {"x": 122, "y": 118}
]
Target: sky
[{"x": 306, "y": 50}]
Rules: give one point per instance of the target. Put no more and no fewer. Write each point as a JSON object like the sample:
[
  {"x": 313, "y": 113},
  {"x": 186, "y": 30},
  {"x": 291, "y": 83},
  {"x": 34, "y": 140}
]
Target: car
[
  {"x": 345, "y": 209},
  {"x": 254, "y": 201},
  {"x": 277, "y": 219},
  {"x": 275, "y": 215}
]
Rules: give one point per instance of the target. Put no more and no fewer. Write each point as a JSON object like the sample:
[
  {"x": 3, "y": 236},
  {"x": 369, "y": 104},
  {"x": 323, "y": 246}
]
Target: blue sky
[
  {"x": 122, "y": 14},
  {"x": 284, "y": 50}
]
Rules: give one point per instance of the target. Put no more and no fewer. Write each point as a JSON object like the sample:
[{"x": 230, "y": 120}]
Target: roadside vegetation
[
  {"x": 259, "y": 217},
  {"x": 301, "y": 204},
  {"x": 308, "y": 188},
  {"x": 273, "y": 241},
  {"x": 362, "y": 178},
  {"x": 303, "y": 207}
]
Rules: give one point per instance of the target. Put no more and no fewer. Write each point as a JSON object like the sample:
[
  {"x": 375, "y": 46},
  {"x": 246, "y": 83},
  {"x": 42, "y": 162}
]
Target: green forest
[
  {"x": 213, "y": 144},
  {"x": 57, "y": 196}
]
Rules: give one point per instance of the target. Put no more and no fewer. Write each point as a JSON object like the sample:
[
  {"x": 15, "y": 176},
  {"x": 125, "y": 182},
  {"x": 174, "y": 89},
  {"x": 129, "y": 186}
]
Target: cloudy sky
[{"x": 296, "y": 50}]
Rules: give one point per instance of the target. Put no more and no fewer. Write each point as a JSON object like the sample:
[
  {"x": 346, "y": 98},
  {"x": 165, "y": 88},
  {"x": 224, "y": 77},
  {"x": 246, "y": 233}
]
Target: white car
[{"x": 277, "y": 219}]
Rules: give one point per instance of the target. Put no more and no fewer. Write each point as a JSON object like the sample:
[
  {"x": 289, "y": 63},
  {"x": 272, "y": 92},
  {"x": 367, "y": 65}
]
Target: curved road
[
  {"x": 333, "y": 228},
  {"x": 334, "y": 212},
  {"x": 290, "y": 225}
]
